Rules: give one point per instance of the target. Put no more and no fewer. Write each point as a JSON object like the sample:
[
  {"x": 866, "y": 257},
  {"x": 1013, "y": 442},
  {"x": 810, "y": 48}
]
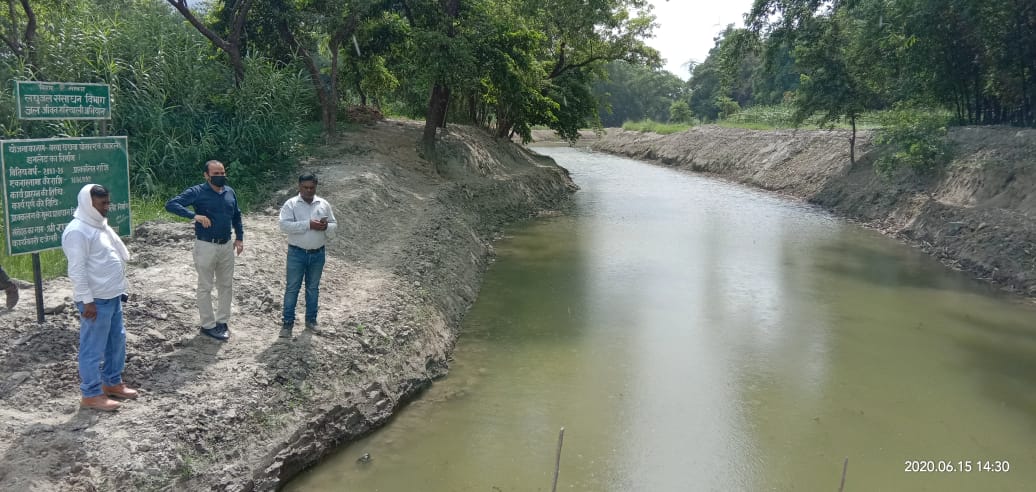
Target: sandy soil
[
  {"x": 248, "y": 414},
  {"x": 978, "y": 215}
]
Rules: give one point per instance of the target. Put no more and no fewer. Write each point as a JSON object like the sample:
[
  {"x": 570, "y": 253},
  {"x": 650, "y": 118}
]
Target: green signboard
[
  {"x": 42, "y": 179},
  {"x": 62, "y": 101}
]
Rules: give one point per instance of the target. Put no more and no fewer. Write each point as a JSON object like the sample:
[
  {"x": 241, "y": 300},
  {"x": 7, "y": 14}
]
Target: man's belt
[{"x": 309, "y": 251}]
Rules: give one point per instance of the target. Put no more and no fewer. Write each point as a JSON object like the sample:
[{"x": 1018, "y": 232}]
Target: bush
[
  {"x": 780, "y": 116},
  {"x": 727, "y": 106},
  {"x": 914, "y": 139},
  {"x": 655, "y": 127},
  {"x": 680, "y": 112}
]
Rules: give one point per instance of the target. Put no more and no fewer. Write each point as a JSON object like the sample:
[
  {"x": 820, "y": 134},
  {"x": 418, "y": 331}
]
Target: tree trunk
[
  {"x": 238, "y": 65},
  {"x": 358, "y": 87},
  {"x": 437, "y": 104},
  {"x": 327, "y": 94},
  {"x": 232, "y": 45},
  {"x": 439, "y": 100},
  {"x": 24, "y": 48},
  {"x": 852, "y": 141}
]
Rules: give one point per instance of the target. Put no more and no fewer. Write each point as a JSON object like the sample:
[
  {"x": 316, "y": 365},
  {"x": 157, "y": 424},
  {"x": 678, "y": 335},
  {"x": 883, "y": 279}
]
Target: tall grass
[
  {"x": 174, "y": 96},
  {"x": 655, "y": 127},
  {"x": 53, "y": 261},
  {"x": 783, "y": 116}
]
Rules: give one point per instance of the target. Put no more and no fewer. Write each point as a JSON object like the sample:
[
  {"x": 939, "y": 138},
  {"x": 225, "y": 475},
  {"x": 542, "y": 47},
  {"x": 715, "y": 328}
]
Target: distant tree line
[{"x": 836, "y": 59}]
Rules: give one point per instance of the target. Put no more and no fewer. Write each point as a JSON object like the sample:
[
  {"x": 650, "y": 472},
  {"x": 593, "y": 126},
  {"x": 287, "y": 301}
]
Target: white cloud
[{"x": 686, "y": 28}]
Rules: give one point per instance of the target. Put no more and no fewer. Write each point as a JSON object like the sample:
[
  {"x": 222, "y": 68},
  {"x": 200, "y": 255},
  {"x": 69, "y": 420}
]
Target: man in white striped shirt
[
  {"x": 97, "y": 269},
  {"x": 308, "y": 221}
]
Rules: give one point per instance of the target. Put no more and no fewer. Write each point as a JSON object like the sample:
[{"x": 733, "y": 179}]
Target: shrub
[
  {"x": 912, "y": 138},
  {"x": 655, "y": 127},
  {"x": 680, "y": 112}
]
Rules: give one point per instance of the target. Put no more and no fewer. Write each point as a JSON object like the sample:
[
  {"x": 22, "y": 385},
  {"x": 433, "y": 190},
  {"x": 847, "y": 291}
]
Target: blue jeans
[
  {"x": 308, "y": 267},
  {"x": 102, "y": 347}
]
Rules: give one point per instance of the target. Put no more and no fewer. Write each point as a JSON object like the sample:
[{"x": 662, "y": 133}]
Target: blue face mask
[{"x": 218, "y": 181}]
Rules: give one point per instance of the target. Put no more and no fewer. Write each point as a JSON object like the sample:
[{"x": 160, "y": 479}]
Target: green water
[{"x": 693, "y": 335}]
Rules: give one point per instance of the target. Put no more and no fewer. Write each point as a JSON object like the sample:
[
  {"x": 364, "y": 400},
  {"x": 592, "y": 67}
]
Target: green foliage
[
  {"x": 171, "y": 95},
  {"x": 912, "y": 139},
  {"x": 649, "y": 126},
  {"x": 634, "y": 92},
  {"x": 779, "y": 116},
  {"x": 536, "y": 60},
  {"x": 727, "y": 106},
  {"x": 178, "y": 104},
  {"x": 783, "y": 116},
  {"x": 971, "y": 57},
  {"x": 52, "y": 264},
  {"x": 705, "y": 86},
  {"x": 680, "y": 112}
]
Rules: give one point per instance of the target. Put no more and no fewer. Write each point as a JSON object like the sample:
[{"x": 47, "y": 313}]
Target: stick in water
[
  {"x": 557, "y": 460},
  {"x": 845, "y": 466}
]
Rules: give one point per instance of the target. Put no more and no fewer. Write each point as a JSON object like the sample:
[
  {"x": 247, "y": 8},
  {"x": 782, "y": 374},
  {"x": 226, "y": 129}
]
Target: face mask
[{"x": 218, "y": 181}]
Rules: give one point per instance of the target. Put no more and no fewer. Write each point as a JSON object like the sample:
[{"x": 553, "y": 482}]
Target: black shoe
[
  {"x": 312, "y": 326},
  {"x": 219, "y": 332},
  {"x": 286, "y": 330}
]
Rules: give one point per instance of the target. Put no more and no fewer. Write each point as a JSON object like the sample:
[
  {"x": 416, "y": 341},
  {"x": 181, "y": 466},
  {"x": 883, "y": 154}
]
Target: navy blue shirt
[{"x": 221, "y": 208}]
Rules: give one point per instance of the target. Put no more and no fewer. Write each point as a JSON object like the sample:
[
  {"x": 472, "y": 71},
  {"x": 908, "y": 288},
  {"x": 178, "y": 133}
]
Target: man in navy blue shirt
[{"x": 215, "y": 214}]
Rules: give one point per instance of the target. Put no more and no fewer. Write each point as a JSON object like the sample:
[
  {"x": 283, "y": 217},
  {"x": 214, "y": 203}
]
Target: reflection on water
[{"x": 694, "y": 335}]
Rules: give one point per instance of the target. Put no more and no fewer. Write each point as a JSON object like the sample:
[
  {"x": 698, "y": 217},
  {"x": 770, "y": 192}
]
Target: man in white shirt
[
  {"x": 308, "y": 221},
  {"x": 97, "y": 269}
]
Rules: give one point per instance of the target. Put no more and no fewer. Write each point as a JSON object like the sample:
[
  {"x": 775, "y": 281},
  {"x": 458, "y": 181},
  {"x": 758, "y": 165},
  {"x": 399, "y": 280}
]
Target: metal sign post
[{"x": 42, "y": 177}]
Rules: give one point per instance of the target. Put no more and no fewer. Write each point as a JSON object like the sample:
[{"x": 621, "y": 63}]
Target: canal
[{"x": 692, "y": 334}]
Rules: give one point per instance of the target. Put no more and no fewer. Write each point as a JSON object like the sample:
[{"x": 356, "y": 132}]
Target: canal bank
[
  {"x": 248, "y": 414},
  {"x": 978, "y": 215}
]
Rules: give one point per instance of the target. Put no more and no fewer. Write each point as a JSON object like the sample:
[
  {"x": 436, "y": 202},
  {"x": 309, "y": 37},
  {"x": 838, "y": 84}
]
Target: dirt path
[{"x": 249, "y": 413}]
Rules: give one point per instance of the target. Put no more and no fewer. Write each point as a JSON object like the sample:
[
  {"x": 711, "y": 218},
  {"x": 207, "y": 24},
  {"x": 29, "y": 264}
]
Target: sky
[{"x": 686, "y": 28}]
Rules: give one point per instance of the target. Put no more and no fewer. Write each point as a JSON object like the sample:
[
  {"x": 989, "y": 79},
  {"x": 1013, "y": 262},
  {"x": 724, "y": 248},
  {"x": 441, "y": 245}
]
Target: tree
[
  {"x": 300, "y": 24},
  {"x": 231, "y": 44},
  {"x": 834, "y": 82},
  {"x": 22, "y": 46},
  {"x": 580, "y": 38},
  {"x": 836, "y": 79},
  {"x": 629, "y": 92},
  {"x": 680, "y": 112}
]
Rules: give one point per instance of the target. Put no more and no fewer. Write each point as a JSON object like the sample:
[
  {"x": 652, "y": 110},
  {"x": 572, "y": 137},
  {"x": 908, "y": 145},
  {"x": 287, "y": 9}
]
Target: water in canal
[{"x": 690, "y": 334}]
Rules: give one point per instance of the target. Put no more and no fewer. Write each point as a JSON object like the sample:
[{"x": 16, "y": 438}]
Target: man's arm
[
  {"x": 76, "y": 249},
  {"x": 235, "y": 221},
  {"x": 179, "y": 203},
  {"x": 332, "y": 223}
]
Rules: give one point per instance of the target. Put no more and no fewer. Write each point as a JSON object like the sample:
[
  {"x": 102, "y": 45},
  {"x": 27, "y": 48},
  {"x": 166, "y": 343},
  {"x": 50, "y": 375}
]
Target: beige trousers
[{"x": 214, "y": 261}]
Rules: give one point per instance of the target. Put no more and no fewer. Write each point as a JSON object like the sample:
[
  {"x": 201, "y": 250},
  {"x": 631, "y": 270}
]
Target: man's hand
[
  {"x": 239, "y": 246},
  {"x": 318, "y": 225},
  {"x": 203, "y": 220},
  {"x": 90, "y": 311}
]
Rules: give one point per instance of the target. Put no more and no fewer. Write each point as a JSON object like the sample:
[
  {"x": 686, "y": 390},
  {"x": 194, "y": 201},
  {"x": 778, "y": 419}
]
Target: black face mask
[{"x": 218, "y": 181}]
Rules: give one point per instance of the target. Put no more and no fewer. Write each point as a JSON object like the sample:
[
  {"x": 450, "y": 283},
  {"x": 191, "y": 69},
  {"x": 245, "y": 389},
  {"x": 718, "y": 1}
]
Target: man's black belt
[
  {"x": 215, "y": 240},
  {"x": 310, "y": 251}
]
